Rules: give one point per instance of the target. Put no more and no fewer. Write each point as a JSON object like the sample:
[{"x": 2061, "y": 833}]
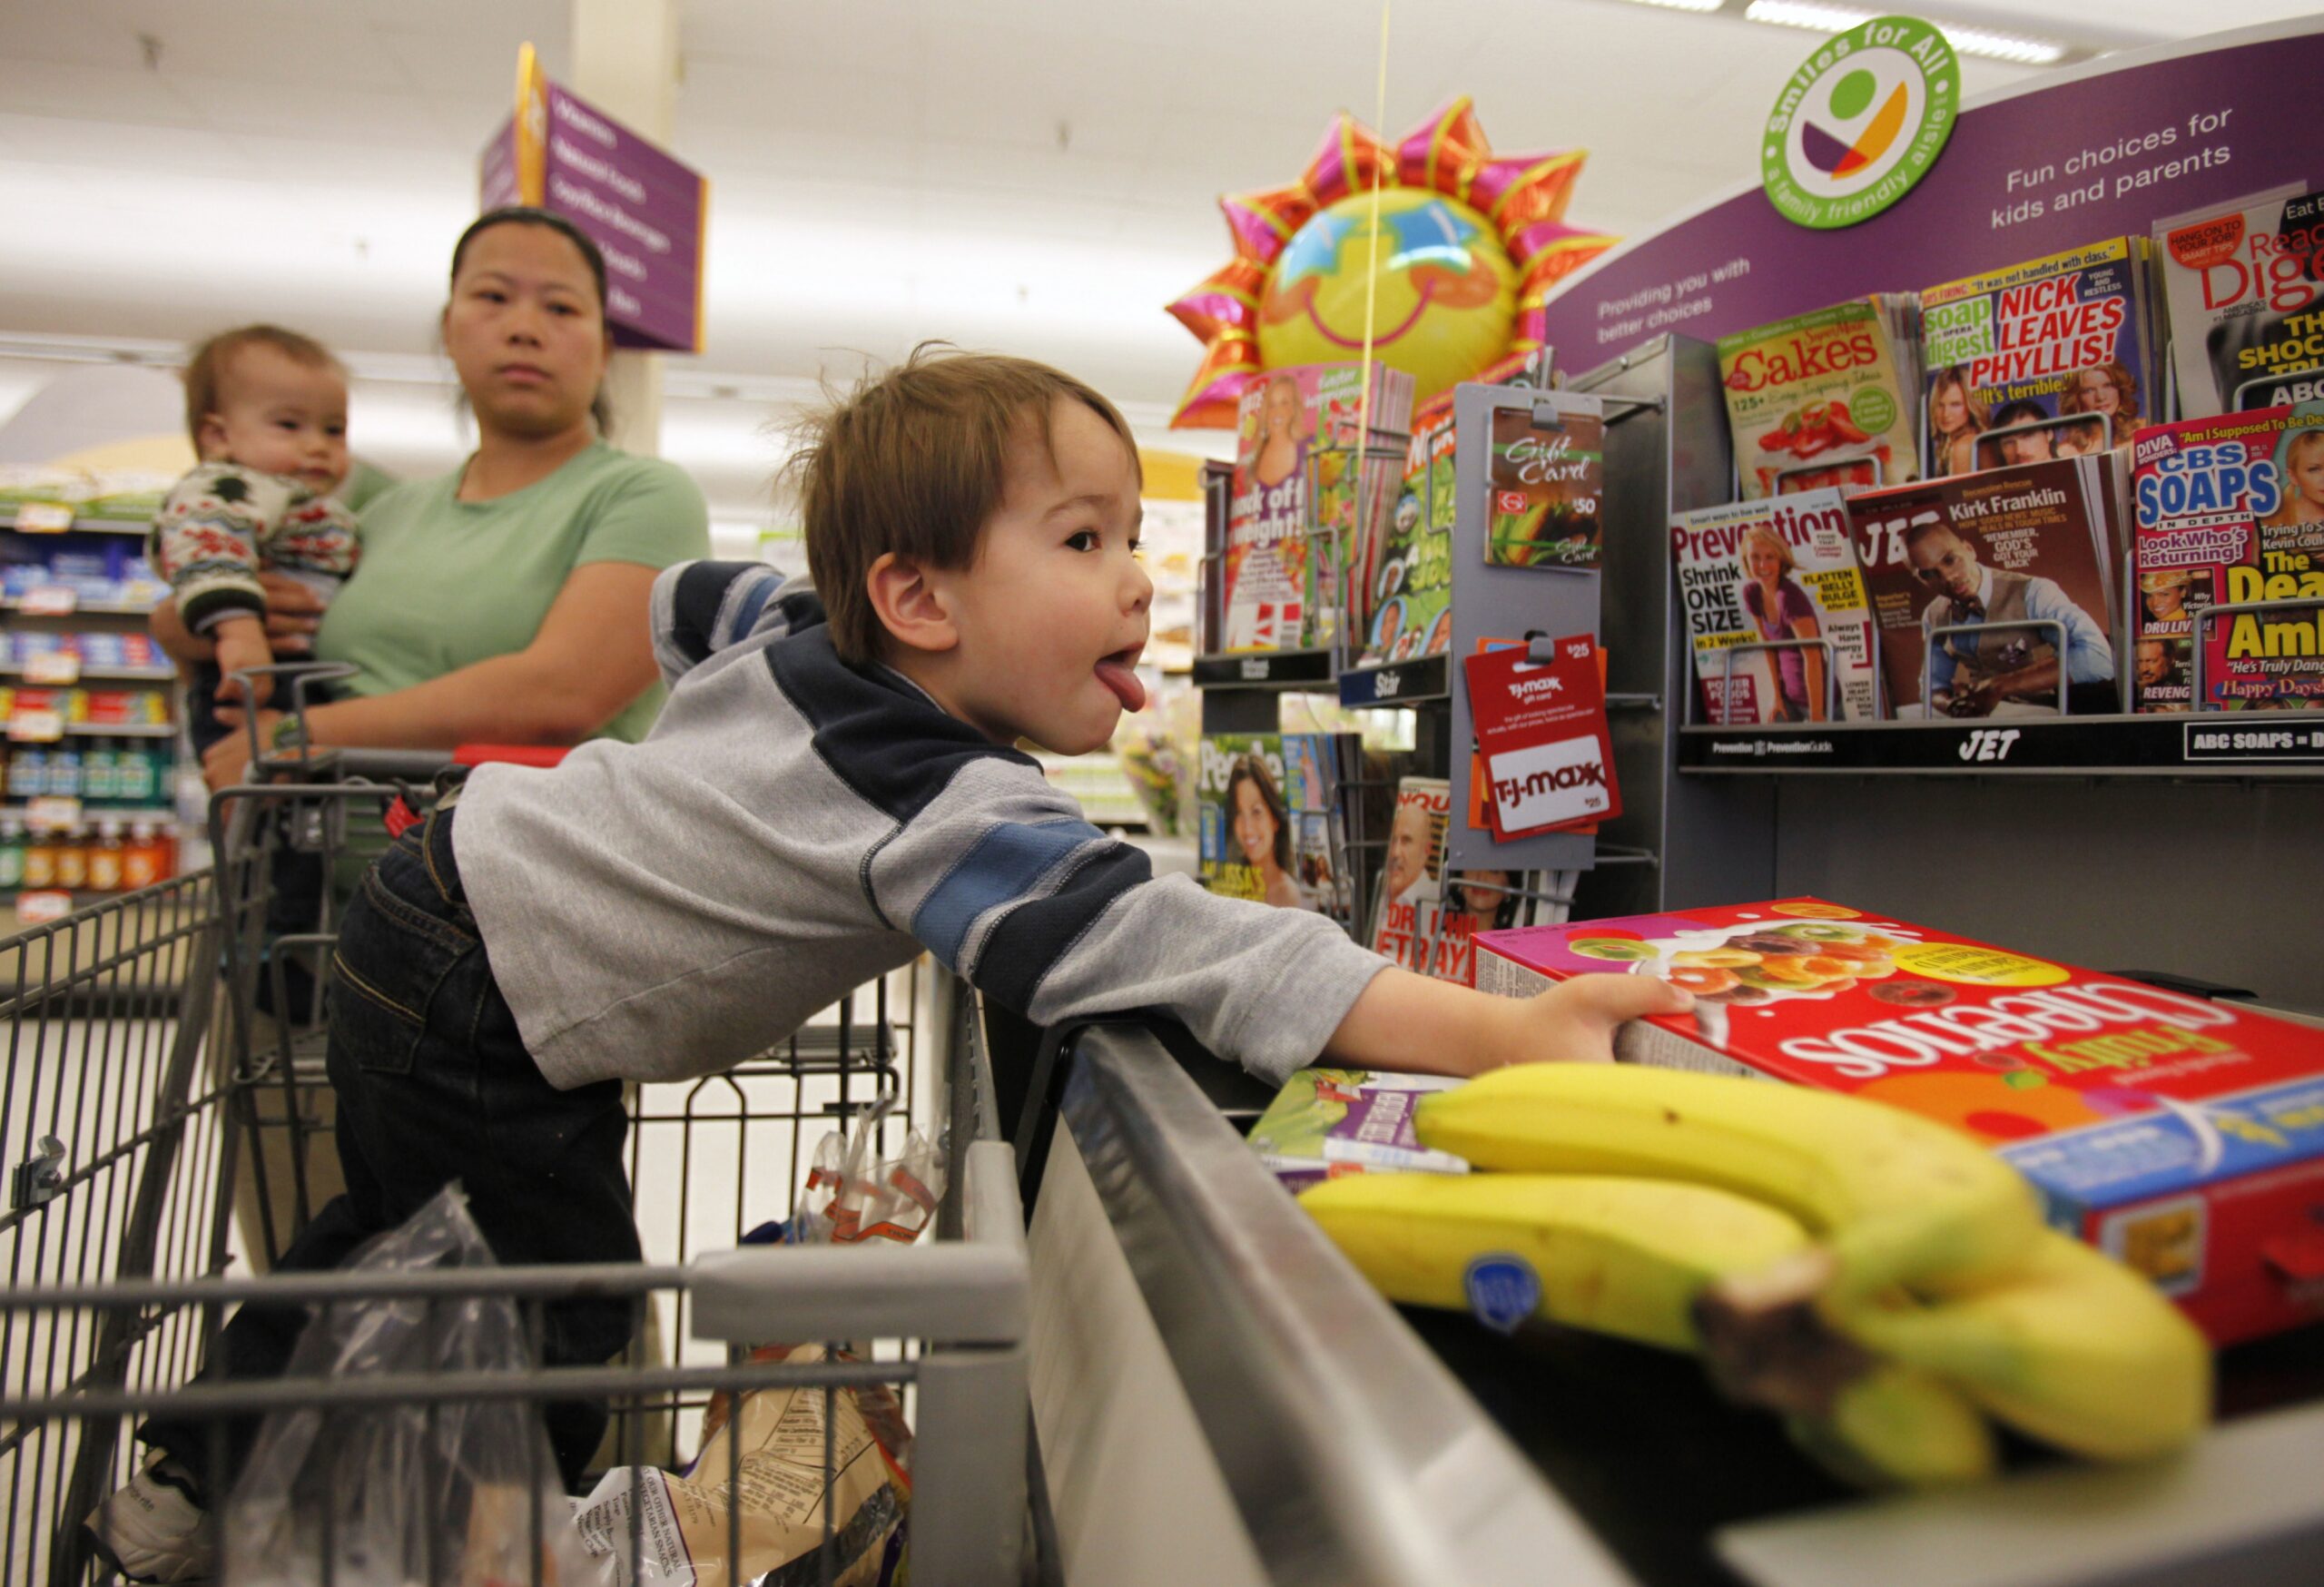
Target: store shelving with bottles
[{"x": 88, "y": 782}]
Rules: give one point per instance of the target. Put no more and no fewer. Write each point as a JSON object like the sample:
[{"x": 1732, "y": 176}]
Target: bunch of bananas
[{"x": 1879, "y": 1277}]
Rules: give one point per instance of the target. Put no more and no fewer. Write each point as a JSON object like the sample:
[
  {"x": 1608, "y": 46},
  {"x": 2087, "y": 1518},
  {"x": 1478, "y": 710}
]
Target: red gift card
[
  {"x": 1481, "y": 785},
  {"x": 1540, "y": 728}
]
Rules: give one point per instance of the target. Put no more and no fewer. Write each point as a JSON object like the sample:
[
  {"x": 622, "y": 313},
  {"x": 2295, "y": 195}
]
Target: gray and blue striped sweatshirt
[{"x": 794, "y": 826}]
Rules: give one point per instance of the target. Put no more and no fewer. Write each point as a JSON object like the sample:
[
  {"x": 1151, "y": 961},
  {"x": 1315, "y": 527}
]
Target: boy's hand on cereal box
[
  {"x": 1574, "y": 1020},
  {"x": 1412, "y": 1023},
  {"x": 242, "y": 642}
]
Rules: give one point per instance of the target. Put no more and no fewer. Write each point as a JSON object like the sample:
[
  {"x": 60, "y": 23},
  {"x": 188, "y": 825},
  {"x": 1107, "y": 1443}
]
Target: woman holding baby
[{"x": 504, "y": 602}]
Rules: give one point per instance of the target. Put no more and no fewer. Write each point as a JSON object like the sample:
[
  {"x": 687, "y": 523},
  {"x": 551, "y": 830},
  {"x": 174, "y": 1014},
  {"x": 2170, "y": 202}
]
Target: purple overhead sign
[
  {"x": 2104, "y": 150},
  {"x": 646, "y": 213}
]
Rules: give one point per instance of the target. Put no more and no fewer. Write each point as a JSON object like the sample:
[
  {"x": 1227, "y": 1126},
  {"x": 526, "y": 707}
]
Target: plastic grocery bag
[
  {"x": 401, "y": 1494},
  {"x": 851, "y": 1195},
  {"x": 759, "y": 1481}
]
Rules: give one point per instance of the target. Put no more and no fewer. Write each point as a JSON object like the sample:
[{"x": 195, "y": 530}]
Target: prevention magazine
[
  {"x": 1267, "y": 830},
  {"x": 1753, "y": 572},
  {"x": 2229, "y": 510},
  {"x": 1298, "y": 429},
  {"x": 2053, "y": 358},
  {"x": 2019, "y": 563},
  {"x": 2245, "y": 283},
  {"x": 2182, "y": 1135},
  {"x": 1830, "y": 398}
]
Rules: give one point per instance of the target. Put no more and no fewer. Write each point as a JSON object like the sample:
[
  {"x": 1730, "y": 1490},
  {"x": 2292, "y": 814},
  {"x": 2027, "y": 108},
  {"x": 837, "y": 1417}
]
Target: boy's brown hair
[
  {"x": 210, "y": 366},
  {"x": 914, "y": 461}
]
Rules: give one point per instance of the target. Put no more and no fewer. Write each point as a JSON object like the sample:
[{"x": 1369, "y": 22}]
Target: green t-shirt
[{"x": 445, "y": 584}]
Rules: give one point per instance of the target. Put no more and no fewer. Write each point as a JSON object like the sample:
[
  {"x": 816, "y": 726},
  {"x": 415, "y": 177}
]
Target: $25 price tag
[{"x": 1541, "y": 731}]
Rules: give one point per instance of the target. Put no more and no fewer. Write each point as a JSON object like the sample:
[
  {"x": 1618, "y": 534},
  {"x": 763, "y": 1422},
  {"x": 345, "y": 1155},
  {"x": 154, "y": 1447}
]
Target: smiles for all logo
[{"x": 1860, "y": 122}]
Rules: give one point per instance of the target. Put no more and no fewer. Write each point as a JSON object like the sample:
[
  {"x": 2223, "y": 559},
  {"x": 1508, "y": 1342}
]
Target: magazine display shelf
[
  {"x": 1492, "y": 602},
  {"x": 2244, "y": 747},
  {"x": 2187, "y": 842},
  {"x": 1242, "y": 691}
]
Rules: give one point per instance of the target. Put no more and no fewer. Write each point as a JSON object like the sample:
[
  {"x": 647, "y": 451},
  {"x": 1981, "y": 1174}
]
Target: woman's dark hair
[
  {"x": 527, "y": 216},
  {"x": 1250, "y": 769}
]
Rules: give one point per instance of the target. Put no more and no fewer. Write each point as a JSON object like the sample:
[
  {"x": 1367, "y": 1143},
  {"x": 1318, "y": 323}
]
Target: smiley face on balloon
[
  {"x": 1444, "y": 292},
  {"x": 1446, "y": 249}
]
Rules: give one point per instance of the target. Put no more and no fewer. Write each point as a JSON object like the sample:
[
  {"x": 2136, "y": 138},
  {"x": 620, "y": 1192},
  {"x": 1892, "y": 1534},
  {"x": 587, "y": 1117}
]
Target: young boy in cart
[{"x": 833, "y": 788}]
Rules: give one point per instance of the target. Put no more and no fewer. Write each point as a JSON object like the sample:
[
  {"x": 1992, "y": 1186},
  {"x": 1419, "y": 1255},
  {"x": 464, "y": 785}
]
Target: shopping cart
[{"x": 166, "y": 1130}]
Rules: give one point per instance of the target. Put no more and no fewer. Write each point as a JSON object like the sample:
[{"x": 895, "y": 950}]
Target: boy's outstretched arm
[{"x": 1407, "y": 1021}]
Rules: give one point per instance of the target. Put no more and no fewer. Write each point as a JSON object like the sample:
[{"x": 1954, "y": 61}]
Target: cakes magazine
[
  {"x": 1779, "y": 569},
  {"x": 2019, "y": 563},
  {"x": 2180, "y": 1134},
  {"x": 2051, "y": 358},
  {"x": 1830, "y": 398}
]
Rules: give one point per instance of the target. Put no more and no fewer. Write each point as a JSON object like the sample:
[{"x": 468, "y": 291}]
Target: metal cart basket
[{"x": 166, "y": 1130}]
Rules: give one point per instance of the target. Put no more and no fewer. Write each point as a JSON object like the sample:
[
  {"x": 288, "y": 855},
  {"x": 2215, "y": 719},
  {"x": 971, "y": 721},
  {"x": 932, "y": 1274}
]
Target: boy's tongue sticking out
[{"x": 1115, "y": 673}]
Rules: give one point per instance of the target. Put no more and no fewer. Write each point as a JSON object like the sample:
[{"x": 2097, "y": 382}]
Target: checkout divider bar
[{"x": 1353, "y": 1457}]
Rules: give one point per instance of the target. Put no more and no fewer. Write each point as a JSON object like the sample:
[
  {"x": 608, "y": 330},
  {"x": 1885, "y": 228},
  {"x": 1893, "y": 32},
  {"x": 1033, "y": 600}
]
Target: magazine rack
[
  {"x": 2189, "y": 838},
  {"x": 1274, "y": 670}
]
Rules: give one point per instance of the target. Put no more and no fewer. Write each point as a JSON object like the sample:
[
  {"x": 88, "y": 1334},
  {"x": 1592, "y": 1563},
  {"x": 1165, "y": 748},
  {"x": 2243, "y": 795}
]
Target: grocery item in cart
[
  {"x": 851, "y": 1194},
  {"x": 1630, "y": 1256},
  {"x": 1327, "y": 1122},
  {"x": 2182, "y": 1136},
  {"x": 1926, "y": 1272},
  {"x": 382, "y": 1495},
  {"x": 772, "y": 1444}
]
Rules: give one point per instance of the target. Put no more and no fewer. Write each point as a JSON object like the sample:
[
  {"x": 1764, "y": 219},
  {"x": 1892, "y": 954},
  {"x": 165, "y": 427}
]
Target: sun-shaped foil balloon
[{"x": 1466, "y": 247}]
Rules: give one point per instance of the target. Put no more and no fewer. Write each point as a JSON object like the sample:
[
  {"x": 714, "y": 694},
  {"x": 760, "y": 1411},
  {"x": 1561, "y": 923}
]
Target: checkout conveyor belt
[{"x": 1361, "y": 1443}]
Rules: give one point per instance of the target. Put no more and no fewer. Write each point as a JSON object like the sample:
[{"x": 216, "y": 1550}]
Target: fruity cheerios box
[
  {"x": 1326, "y": 1122},
  {"x": 2185, "y": 1136}
]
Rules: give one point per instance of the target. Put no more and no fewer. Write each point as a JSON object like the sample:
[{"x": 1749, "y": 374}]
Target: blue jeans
[{"x": 434, "y": 1085}]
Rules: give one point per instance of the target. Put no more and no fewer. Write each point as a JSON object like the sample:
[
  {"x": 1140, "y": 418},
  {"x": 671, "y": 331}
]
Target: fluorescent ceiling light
[
  {"x": 2003, "y": 47},
  {"x": 1806, "y": 13},
  {"x": 1970, "y": 41}
]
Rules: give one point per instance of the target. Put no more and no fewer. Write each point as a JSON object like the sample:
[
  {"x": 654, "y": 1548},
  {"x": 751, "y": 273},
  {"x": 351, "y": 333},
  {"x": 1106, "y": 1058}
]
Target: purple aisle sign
[
  {"x": 2101, "y": 150},
  {"x": 643, "y": 209},
  {"x": 646, "y": 213}
]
